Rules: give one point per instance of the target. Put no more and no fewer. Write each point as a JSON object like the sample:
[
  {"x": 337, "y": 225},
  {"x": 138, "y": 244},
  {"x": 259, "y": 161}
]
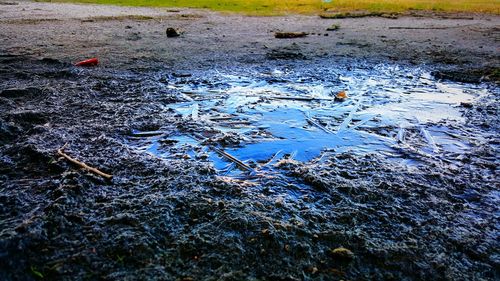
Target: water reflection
[{"x": 390, "y": 110}]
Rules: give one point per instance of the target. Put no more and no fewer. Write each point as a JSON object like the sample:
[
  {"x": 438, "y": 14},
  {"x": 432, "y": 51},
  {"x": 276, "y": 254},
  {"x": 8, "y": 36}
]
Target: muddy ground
[{"x": 405, "y": 202}]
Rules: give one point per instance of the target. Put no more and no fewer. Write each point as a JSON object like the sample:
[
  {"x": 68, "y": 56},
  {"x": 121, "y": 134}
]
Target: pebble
[
  {"x": 342, "y": 254},
  {"x": 171, "y": 32}
]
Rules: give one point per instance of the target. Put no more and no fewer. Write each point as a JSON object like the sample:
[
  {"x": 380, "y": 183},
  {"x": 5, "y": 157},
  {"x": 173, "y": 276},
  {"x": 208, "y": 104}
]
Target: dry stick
[
  {"x": 290, "y": 34},
  {"x": 377, "y": 136},
  {"x": 348, "y": 119},
  {"x": 310, "y": 120},
  {"x": 362, "y": 122},
  {"x": 230, "y": 157},
  {"x": 272, "y": 158},
  {"x": 195, "y": 111},
  {"x": 147, "y": 134},
  {"x": 456, "y": 136},
  {"x": 401, "y": 135},
  {"x": 299, "y": 98},
  {"x": 413, "y": 27},
  {"x": 429, "y": 139},
  {"x": 83, "y": 165},
  {"x": 221, "y": 118},
  {"x": 224, "y": 154},
  {"x": 456, "y": 18},
  {"x": 236, "y": 122}
]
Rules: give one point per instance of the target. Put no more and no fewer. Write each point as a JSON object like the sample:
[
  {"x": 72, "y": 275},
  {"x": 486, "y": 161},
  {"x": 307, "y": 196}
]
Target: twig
[
  {"x": 456, "y": 17},
  {"x": 224, "y": 154},
  {"x": 236, "y": 122},
  {"x": 377, "y": 136},
  {"x": 221, "y": 118},
  {"x": 429, "y": 139},
  {"x": 230, "y": 157},
  {"x": 195, "y": 111},
  {"x": 401, "y": 135},
  {"x": 299, "y": 98},
  {"x": 310, "y": 120},
  {"x": 83, "y": 165},
  {"x": 348, "y": 119},
  {"x": 362, "y": 122},
  {"x": 456, "y": 136},
  {"x": 290, "y": 34},
  {"x": 275, "y": 156},
  {"x": 147, "y": 134},
  {"x": 414, "y": 27}
]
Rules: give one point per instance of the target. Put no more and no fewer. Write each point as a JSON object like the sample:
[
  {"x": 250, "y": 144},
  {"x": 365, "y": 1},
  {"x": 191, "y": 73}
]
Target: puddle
[{"x": 390, "y": 110}]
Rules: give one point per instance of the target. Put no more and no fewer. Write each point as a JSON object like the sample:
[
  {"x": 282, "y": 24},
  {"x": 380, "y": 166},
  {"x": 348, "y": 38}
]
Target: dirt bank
[
  {"x": 71, "y": 32},
  {"x": 408, "y": 195}
]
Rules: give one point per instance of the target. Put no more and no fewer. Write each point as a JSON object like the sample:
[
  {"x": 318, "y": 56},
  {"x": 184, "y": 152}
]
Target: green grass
[
  {"x": 279, "y": 7},
  {"x": 474, "y": 6}
]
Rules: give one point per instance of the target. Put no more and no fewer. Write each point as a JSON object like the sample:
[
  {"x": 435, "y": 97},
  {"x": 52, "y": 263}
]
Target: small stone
[
  {"x": 333, "y": 27},
  {"x": 312, "y": 269},
  {"x": 267, "y": 191},
  {"x": 342, "y": 254},
  {"x": 171, "y": 32},
  {"x": 466, "y": 104},
  {"x": 279, "y": 202}
]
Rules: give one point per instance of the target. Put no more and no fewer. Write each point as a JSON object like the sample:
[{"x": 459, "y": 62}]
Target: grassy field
[{"x": 278, "y": 7}]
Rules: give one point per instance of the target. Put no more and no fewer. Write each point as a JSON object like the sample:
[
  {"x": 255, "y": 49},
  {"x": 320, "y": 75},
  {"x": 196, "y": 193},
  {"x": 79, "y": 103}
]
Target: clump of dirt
[
  {"x": 291, "y": 52},
  {"x": 119, "y": 18},
  {"x": 29, "y": 21},
  {"x": 357, "y": 14},
  {"x": 470, "y": 75}
]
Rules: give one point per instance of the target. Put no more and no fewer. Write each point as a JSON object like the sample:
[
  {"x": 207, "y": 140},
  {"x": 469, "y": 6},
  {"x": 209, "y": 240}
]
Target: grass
[
  {"x": 475, "y": 6},
  {"x": 279, "y": 7}
]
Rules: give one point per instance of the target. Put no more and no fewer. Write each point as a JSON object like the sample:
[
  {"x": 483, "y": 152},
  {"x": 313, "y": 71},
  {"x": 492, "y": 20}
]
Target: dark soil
[{"x": 341, "y": 216}]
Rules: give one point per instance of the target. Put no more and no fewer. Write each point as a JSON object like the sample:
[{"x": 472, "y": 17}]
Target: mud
[{"x": 233, "y": 160}]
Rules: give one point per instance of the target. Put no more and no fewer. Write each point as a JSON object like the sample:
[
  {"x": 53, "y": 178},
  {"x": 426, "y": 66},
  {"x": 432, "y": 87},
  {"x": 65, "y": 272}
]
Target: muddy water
[{"x": 260, "y": 117}]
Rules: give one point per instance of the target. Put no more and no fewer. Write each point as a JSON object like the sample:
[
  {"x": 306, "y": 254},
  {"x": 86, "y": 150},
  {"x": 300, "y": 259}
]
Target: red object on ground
[{"x": 89, "y": 62}]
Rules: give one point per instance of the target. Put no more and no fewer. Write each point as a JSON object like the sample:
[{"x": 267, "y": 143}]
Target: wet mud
[
  {"x": 254, "y": 173},
  {"x": 239, "y": 156}
]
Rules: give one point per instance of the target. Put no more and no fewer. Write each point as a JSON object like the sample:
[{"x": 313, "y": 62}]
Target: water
[{"x": 390, "y": 110}]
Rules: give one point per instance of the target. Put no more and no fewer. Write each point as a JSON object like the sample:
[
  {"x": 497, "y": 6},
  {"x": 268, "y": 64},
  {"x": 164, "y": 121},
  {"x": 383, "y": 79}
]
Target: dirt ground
[{"x": 173, "y": 215}]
